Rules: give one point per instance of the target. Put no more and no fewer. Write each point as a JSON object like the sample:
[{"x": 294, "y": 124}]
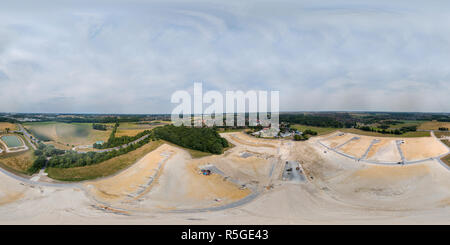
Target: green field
[
  {"x": 67, "y": 133},
  {"x": 102, "y": 169},
  {"x": 12, "y": 141},
  {"x": 319, "y": 130},
  {"x": 369, "y": 133}
]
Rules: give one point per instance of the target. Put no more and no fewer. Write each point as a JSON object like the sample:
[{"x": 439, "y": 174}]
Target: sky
[{"x": 131, "y": 56}]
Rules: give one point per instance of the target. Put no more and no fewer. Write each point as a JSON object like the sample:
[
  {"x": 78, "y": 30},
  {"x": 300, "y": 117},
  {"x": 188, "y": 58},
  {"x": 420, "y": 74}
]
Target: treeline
[
  {"x": 311, "y": 120},
  {"x": 399, "y": 131},
  {"x": 73, "y": 159},
  {"x": 114, "y": 141},
  {"x": 201, "y": 139},
  {"x": 6, "y": 119},
  {"x": 99, "y": 127}
]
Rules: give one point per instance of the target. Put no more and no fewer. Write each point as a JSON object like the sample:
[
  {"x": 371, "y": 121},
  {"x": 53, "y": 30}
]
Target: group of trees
[
  {"x": 305, "y": 135},
  {"x": 399, "y": 131},
  {"x": 43, "y": 152},
  {"x": 311, "y": 120},
  {"x": 201, "y": 139},
  {"x": 443, "y": 129},
  {"x": 101, "y": 127}
]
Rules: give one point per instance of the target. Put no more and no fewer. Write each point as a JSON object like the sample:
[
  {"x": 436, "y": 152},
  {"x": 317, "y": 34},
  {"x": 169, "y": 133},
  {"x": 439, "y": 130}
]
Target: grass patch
[
  {"x": 446, "y": 160},
  {"x": 102, "y": 169},
  {"x": 369, "y": 133},
  {"x": 447, "y": 142},
  {"x": 440, "y": 134},
  {"x": 5, "y": 125},
  {"x": 319, "y": 130}
]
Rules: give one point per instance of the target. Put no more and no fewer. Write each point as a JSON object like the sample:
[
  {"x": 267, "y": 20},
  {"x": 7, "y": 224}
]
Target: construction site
[{"x": 339, "y": 178}]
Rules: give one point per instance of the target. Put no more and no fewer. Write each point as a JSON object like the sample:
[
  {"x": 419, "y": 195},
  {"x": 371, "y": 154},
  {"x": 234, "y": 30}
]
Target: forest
[{"x": 201, "y": 139}]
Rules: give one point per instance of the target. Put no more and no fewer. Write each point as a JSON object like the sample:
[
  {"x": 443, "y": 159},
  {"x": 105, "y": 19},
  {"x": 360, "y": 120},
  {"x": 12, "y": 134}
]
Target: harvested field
[
  {"x": 434, "y": 125},
  {"x": 422, "y": 148},
  {"x": 5, "y": 125}
]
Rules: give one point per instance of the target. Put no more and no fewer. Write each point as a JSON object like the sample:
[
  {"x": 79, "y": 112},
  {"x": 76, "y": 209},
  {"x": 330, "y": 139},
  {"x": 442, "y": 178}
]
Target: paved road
[
  {"x": 437, "y": 158},
  {"x": 31, "y": 140}
]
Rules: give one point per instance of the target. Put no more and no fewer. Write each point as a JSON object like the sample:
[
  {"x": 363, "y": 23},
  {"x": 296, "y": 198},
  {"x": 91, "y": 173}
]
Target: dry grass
[
  {"x": 446, "y": 160},
  {"x": 447, "y": 142},
  {"x": 103, "y": 169},
  {"x": 20, "y": 161},
  {"x": 128, "y": 132},
  {"x": 441, "y": 134},
  {"x": 434, "y": 125},
  {"x": 5, "y": 125}
]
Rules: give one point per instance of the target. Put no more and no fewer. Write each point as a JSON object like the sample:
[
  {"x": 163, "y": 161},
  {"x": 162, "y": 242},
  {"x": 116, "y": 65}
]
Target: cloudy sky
[{"x": 130, "y": 56}]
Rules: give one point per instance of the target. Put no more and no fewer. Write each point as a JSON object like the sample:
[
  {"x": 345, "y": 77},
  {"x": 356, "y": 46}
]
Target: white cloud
[{"x": 129, "y": 57}]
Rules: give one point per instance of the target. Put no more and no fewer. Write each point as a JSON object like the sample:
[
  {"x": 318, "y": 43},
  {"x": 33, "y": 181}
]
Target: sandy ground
[
  {"x": 384, "y": 151},
  {"x": 422, "y": 148},
  {"x": 337, "y": 140},
  {"x": 414, "y": 149},
  {"x": 358, "y": 147},
  {"x": 338, "y": 190}
]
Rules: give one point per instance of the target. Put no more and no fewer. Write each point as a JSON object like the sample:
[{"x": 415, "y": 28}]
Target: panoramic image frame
[{"x": 216, "y": 121}]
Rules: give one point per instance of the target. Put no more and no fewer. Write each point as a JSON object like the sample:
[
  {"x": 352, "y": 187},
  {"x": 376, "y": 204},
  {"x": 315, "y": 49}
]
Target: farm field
[
  {"x": 319, "y": 130},
  {"x": 405, "y": 123},
  {"x": 5, "y": 125},
  {"x": 368, "y": 133},
  {"x": 434, "y": 125},
  {"x": 67, "y": 134},
  {"x": 132, "y": 129}
]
